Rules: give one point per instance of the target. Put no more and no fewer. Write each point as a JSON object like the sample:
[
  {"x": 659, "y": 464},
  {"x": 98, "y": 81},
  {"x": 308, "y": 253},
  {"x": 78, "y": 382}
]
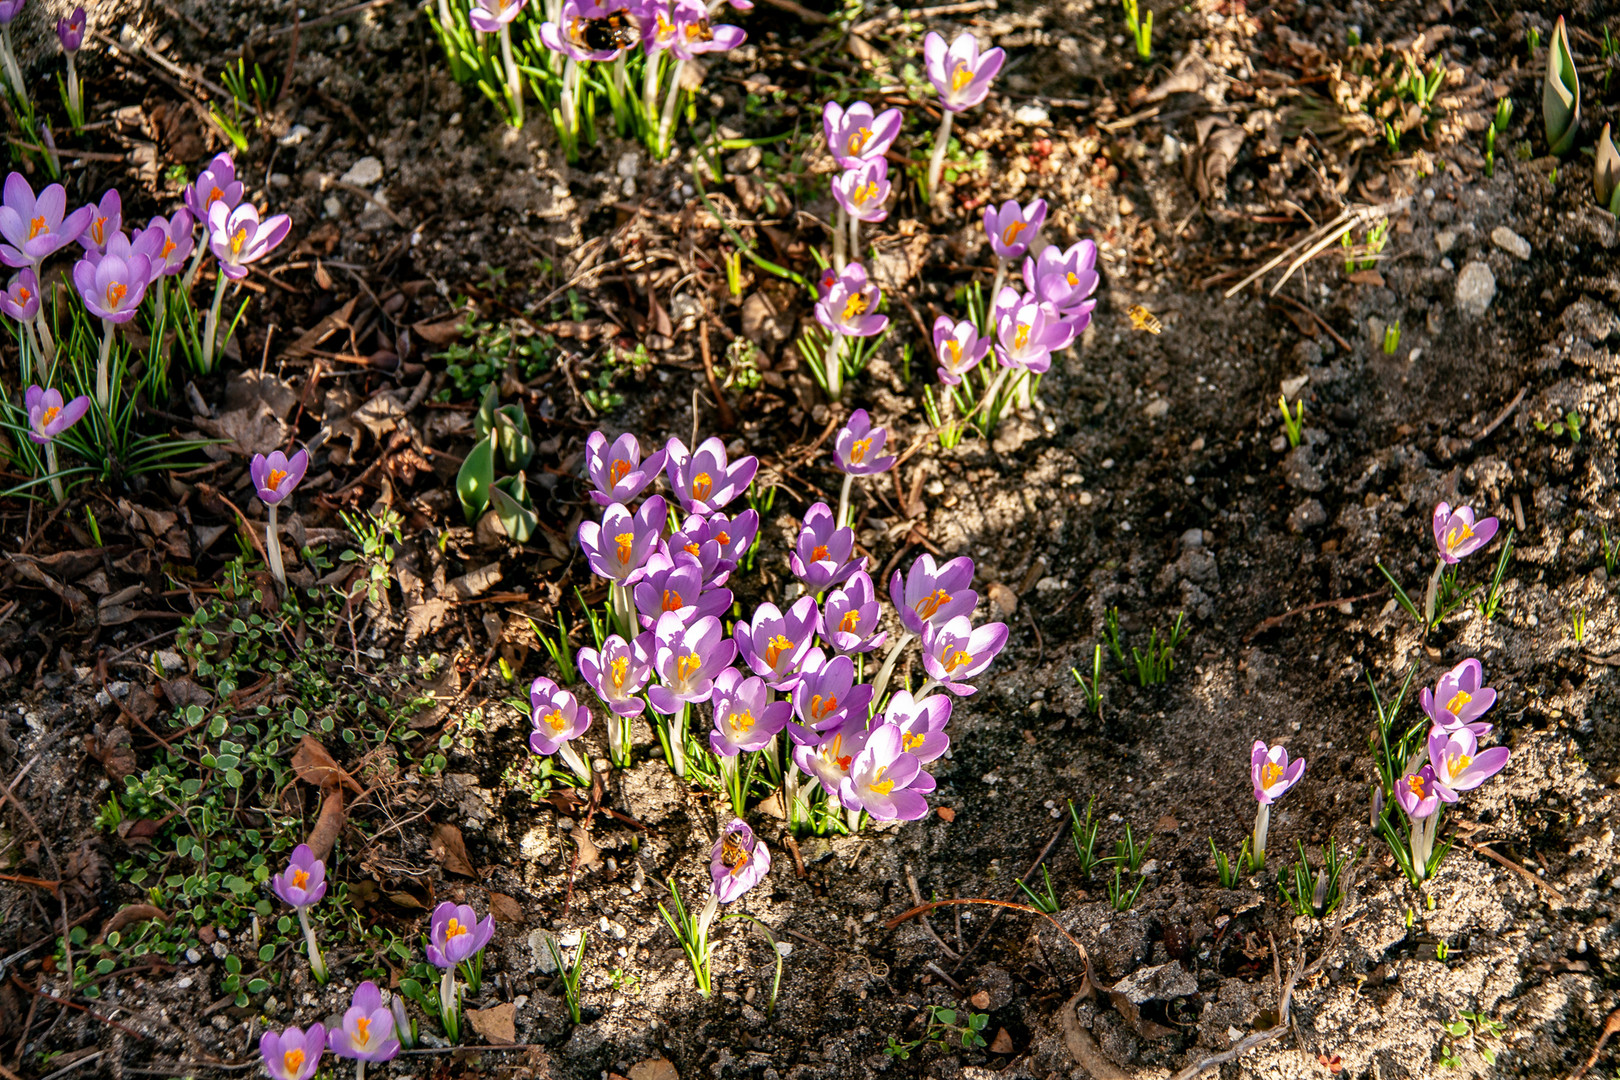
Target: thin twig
[
  {"x": 1610, "y": 1026},
  {"x": 1516, "y": 868},
  {"x": 1277, "y": 620},
  {"x": 916, "y": 898},
  {"x": 1502, "y": 416}
]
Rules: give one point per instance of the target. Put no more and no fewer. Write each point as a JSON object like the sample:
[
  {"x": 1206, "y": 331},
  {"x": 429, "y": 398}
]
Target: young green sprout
[
  {"x": 1293, "y": 422},
  {"x": 1093, "y": 688},
  {"x": 1046, "y": 900},
  {"x": 1570, "y": 425},
  {"x": 1121, "y": 896},
  {"x": 1084, "y": 838},
  {"x": 1392, "y": 337},
  {"x": 1229, "y": 871},
  {"x": 568, "y": 972},
  {"x": 1577, "y": 625},
  {"x": 1141, "y": 28},
  {"x": 1610, "y": 549},
  {"x": 1493, "y": 596}
]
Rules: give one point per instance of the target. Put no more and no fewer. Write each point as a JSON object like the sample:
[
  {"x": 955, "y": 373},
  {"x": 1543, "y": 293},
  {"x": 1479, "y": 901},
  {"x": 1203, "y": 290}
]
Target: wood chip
[{"x": 945, "y": 813}]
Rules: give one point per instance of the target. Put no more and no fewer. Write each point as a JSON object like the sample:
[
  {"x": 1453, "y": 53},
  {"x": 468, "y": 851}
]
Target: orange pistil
[
  {"x": 300, "y": 879},
  {"x": 961, "y": 76},
  {"x": 1009, "y": 235},
  {"x": 773, "y": 651},
  {"x": 362, "y": 1031},
  {"x": 624, "y": 542},
  {"x": 850, "y": 623},
  {"x": 702, "y": 485},
  {"x": 453, "y": 929},
  {"x": 554, "y": 720},
  {"x": 98, "y": 231},
  {"x": 115, "y": 295},
  {"x": 672, "y": 600},
  {"x": 24, "y": 294},
  {"x": 1456, "y": 536},
  {"x": 1021, "y": 337},
  {"x": 864, "y": 194},
  {"x": 857, "y": 452},
  {"x": 822, "y": 707},
  {"x": 1270, "y": 773},
  {"x": 1415, "y": 782},
  {"x": 858, "y": 141},
  {"x": 742, "y": 722},
  {"x": 818, "y": 553},
  {"x": 879, "y": 785},
  {"x": 618, "y": 471},
  {"x": 276, "y": 477},
  {"x": 35, "y": 227},
  {"x": 855, "y": 305},
  {"x": 955, "y": 348},
  {"x": 928, "y": 605},
  {"x": 687, "y": 666},
  {"x": 620, "y": 668},
  {"x": 168, "y": 246},
  {"x": 48, "y": 415},
  {"x": 292, "y": 1061},
  {"x": 955, "y": 658},
  {"x": 214, "y": 195},
  {"x": 1458, "y": 702},
  {"x": 238, "y": 239}
]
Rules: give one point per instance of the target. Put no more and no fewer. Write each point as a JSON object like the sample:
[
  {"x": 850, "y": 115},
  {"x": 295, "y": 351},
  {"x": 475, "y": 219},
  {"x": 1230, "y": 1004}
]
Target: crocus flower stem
[
  {"x": 854, "y": 236},
  {"x": 666, "y": 121},
  {"x": 13, "y": 72},
  {"x": 317, "y": 966},
  {"x": 832, "y": 362},
  {"x": 450, "y": 1005},
  {"x": 272, "y": 550},
  {"x": 936, "y": 163},
  {"x": 50, "y": 469},
  {"x": 674, "y": 740},
  {"x": 624, "y": 612},
  {"x": 47, "y": 344},
  {"x": 852, "y": 818},
  {"x": 191, "y": 271},
  {"x": 1001, "y": 277},
  {"x": 514, "y": 87},
  {"x": 575, "y": 762},
  {"x": 987, "y": 404},
  {"x": 843, "y": 504},
  {"x": 649, "y": 87},
  {"x": 75, "y": 105},
  {"x": 1262, "y": 825},
  {"x": 881, "y": 683},
  {"x": 1432, "y": 596},
  {"x": 840, "y": 256},
  {"x": 103, "y": 388},
  {"x": 211, "y": 328}
]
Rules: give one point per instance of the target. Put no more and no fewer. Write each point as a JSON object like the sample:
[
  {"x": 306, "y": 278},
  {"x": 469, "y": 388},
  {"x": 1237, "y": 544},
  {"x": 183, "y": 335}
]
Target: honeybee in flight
[{"x": 1143, "y": 319}]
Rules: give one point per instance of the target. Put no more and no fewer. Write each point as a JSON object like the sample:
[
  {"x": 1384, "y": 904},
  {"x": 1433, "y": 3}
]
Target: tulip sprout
[{"x": 1560, "y": 94}]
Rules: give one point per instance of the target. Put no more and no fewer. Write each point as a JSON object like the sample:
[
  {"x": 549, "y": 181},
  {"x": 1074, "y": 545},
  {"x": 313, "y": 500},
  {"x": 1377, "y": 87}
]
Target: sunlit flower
[
  {"x": 114, "y": 285},
  {"x": 828, "y": 757},
  {"x": 48, "y": 416},
  {"x": 556, "y": 716},
  {"x": 303, "y": 883},
  {"x": 489, "y": 16},
  {"x": 884, "y": 780},
  {"x": 683, "y": 28},
  {"x": 455, "y": 934},
  {"x": 1011, "y": 227},
  {"x": 35, "y": 228},
  {"x": 217, "y": 183},
  {"x": 274, "y": 475},
  {"x": 21, "y": 298},
  {"x": 863, "y": 190},
  {"x": 921, "y": 723},
  {"x": 167, "y": 243},
  {"x": 367, "y": 1032},
  {"x": 851, "y": 305},
  {"x": 745, "y": 718},
  {"x": 960, "y": 73},
  {"x": 958, "y": 347},
  {"x": 1459, "y": 699},
  {"x": 858, "y": 133},
  {"x": 739, "y": 861},
  {"x": 703, "y": 480},
  {"x": 619, "y": 547},
  {"x": 849, "y": 621},
  {"x": 858, "y": 446},
  {"x": 687, "y": 658},
  {"x": 1065, "y": 279},
  {"x": 828, "y": 695},
  {"x": 106, "y": 220},
  {"x": 933, "y": 595},
  {"x": 293, "y": 1054},
  {"x": 957, "y": 651},
  {"x": 618, "y": 672},
  {"x": 619, "y": 473},
  {"x": 1271, "y": 771},
  {"x": 1457, "y": 534},
  {"x": 775, "y": 644},
  {"x": 237, "y": 237},
  {"x": 567, "y": 35},
  {"x": 824, "y": 554},
  {"x": 1459, "y": 764},
  {"x": 1028, "y": 332},
  {"x": 676, "y": 585}
]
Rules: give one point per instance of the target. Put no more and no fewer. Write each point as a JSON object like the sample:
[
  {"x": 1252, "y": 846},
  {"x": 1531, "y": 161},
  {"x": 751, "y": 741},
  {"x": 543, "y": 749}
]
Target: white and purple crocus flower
[
  {"x": 618, "y": 473},
  {"x": 958, "y": 347},
  {"x": 618, "y": 673},
  {"x": 824, "y": 554},
  {"x": 886, "y": 781},
  {"x": 849, "y": 620},
  {"x": 366, "y": 1035},
  {"x": 859, "y": 133},
  {"x": 456, "y": 936},
  {"x": 745, "y": 717},
  {"x": 1272, "y": 775},
  {"x": 774, "y": 644},
  {"x": 48, "y": 417},
  {"x": 1459, "y": 699},
  {"x": 558, "y": 719},
  {"x": 1066, "y": 279},
  {"x": 1457, "y": 534},
  {"x": 1028, "y": 332},
  {"x": 956, "y": 650},
  {"x": 35, "y": 228},
  {"x": 850, "y": 306},
  {"x": 1011, "y": 227},
  {"x": 687, "y": 657},
  {"x": 293, "y": 1054},
  {"x": 618, "y": 548},
  {"x": 274, "y": 476},
  {"x": 705, "y": 480},
  {"x": 301, "y": 886},
  {"x": 740, "y": 860}
]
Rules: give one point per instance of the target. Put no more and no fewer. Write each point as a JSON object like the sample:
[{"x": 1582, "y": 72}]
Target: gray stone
[
  {"x": 365, "y": 172},
  {"x": 1510, "y": 242},
  {"x": 1476, "y": 288},
  {"x": 1307, "y": 515},
  {"x": 1162, "y": 983}
]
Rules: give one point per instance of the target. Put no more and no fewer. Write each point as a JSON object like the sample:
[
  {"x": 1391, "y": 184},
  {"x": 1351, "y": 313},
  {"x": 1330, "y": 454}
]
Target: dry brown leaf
[
  {"x": 654, "y": 1069},
  {"x": 451, "y": 850},
  {"x": 315, "y": 766},
  {"x": 1002, "y": 1043},
  {"x": 328, "y": 825},
  {"x": 505, "y": 908},
  {"x": 497, "y": 1024}
]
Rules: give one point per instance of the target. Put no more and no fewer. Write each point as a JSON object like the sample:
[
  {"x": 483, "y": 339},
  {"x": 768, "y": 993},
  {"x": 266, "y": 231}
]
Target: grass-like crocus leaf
[
  {"x": 476, "y": 478},
  {"x": 1606, "y": 172},
  {"x": 1561, "y": 93}
]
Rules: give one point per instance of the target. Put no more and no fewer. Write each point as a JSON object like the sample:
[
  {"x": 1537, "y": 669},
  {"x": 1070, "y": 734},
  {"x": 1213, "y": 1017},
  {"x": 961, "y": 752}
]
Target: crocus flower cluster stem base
[
  {"x": 936, "y": 163},
  {"x": 103, "y": 386},
  {"x": 272, "y": 550},
  {"x": 317, "y": 964},
  {"x": 211, "y": 328},
  {"x": 50, "y": 468}
]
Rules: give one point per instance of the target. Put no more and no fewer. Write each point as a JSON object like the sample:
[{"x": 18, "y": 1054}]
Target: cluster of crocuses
[
  {"x": 801, "y": 667},
  {"x": 371, "y": 1032},
  {"x": 119, "y": 269}
]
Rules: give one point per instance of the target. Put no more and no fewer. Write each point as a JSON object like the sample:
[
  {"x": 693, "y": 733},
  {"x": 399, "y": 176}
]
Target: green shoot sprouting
[
  {"x": 1392, "y": 337},
  {"x": 1122, "y": 898},
  {"x": 944, "y": 1032},
  {"x": 1532, "y": 38},
  {"x": 1046, "y": 900},
  {"x": 1229, "y": 871},
  {"x": 1611, "y": 550},
  {"x": 1577, "y": 625},
  {"x": 1092, "y": 689},
  {"x": 1493, "y": 596},
  {"x": 1314, "y": 895},
  {"x": 1084, "y": 838},
  {"x": 734, "y": 280},
  {"x": 1111, "y": 634},
  {"x": 1570, "y": 425},
  {"x": 693, "y": 934},
  {"x": 1293, "y": 422},
  {"x": 561, "y": 650},
  {"x": 569, "y": 972},
  {"x": 1141, "y": 28},
  {"x": 1154, "y": 666},
  {"x": 1127, "y": 854}
]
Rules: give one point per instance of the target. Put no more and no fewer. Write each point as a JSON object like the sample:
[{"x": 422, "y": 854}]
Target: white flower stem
[
  {"x": 449, "y": 1005},
  {"x": 843, "y": 500},
  {"x": 881, "y": 683},
  {"x": 677, "y": 740},
  {"x": 666, "y": 121},
  {"x": 360, "y": 1069},
  {"x": 840, "y": 259},
  {"x": 1431, "y": 598},
  {"x": 50, "y": 470},
  {"x": 936, "y": 163},
  {"x": 211, "y": 328},
  {"x": 75, "y": 105},
  {"x": 1262, "y": 825},
  {"x": 855, "y": 238},
  {"x": 1001, "y": 279},
  {"x": 852, "y": 817},
  {"x": 47, "y": 344},
  {"x": 272, "y": 550},
  {"x": 317, "y": 966},
  {"x": 832, "y": 363},
  {"x": 514, "y": 85},
  {"x": 575, "y": 762},
  {"x": 13, "y": 72},
  {"x": 103, "y": 388},
  {"x": 196, "y": 261}
]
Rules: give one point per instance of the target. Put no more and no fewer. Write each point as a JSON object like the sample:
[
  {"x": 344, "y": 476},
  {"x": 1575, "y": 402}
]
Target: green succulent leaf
[
  {"x": 476, "y": 479},
  {"x": 1561, "y": 93},
  {"x": 514, "y": 508}
]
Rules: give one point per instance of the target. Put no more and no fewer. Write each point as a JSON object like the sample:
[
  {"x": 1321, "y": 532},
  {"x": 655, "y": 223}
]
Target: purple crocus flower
[
  {"x": 849, "y": 620},
  {"x": 921, "y": 723},
  {"x": 827, "y": 694},
  {"x": 617, "y": 673},
  {"x": 703, "y": 480},
  {"x": 367, "y": 1033},
  {"x": 1011, "y": 227},
  {"x": 217, "y": 183},
  {"x": 858, "y": 446},
  {"x": 489, "y": 16},
  {"x": 858, "y": 133},
  {"x": 106, "y": 220},
  {"x": 960, "y": 73},
  {"x": 863, "y": 190},
  {"x": 168, "y": 243},
  {"x": 683, "y": 28},
  {"x": 739, "y": 862},
  {"x": 850, "y": 306},
  {"x": 1065, "y": 279},
  {"x": 1028, "y": 332},
  {"x": 829, "y": 758},
  {"x": 275, "y": 474},
  {"x": 676, "y": 586},
  {"x": 113, "y": 286},
  {"x": 303, "y": 883},
  {"x": 735, "y": 535},
  {"x": 933, "y": 595},
  {"x": 48, "y": 417},
  {"x": 35, "y": 228},
  {"x": 745, "y": 717},
  {"x": 619, "y": 547},
  {"x": 1271, "y": 771},
  {"x": 687, "y": 658},
  {"x": 824, "y": 554},
  {"x": 958, "y": 347},
  {"x": 774, "y": 645},
  {"x": 956, "y": 651},
  {"x": 1420, "y": 794},
  {"x": 557, "y": 717},
  {"x": 618, "y": 472},
  {"x": 1458, "y": 762},
  {"x": 1459, "y": 699},
  {"x": 293, "y": 1054},
  {"x": 21, "y": 298},
  {"x": 456, "y": 935},
  {"x": 884, "y": 780},
  {"x": 70, "y": 31},
  {"x": 1457, "y": 534},
  {"x": 699, "y": 540},
  {"x": 567, "y": 35},
  {"x": 237, "y": 237}
]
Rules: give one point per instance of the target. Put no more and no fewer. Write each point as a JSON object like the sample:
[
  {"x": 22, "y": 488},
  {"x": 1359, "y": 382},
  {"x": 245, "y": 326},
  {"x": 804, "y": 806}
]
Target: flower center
[
  {"x": 620, "y": 668},
  {"x": 694, "y": 549},
  {"x": 702, "y": 485},
  {"x": 1270, "y": 773},
  {"x": 98, "y": 231},
  {"x": 453, "y": 929},
  {"x": 168, "y": 246},
  {"x": 818, "y": 553},
  {"x": 23, "y": 294},
  {"x": 822, "y": 707},
  {"x": 292, "y": 1061},
  {"x": 1021, "y": 337},
  {"x": 742, "y": 722},
  {"x": 687, "y": 666},
  {"x": 1415, "y": 783},
  {"x": 699, "y": 31},
  {"x": 864, "y": 194},
  {"x": 961, "y": 76},
  {"x": 214, "y": 195},
  {"x": 773, "y": 652},
  {"x": 928, "y": 605},
  {"x": 850, "y": 623},
  {"x": 880, "y": 785},
  {"x": 276, "y": 477},
  {"x": 1009, "y": 235},
  {"x": 724, "y": 539},
  {"x": 858, "y": 141},
  {"x": 238, "y": 239},
  {"x": 623, "y": 540},
  {"x": 618, "y": 471},
  {"x": 857, "y": 453},
  {"x": 910, "y": 741},
  {"x": 1072, "y": 279},
  {"x": 300, "y": 879},
  {"x": 955, "y": 658},
  {"x": 955, "y": 348},
  {"x": 672, "y": 600},
  {"x": 48, "y": 415},
  {"x": 1458, "y": 702},
  {"x": 1456, "y": 536},
  {"x": 1457, "y": 764},
  {"x": 35, "y": 227},
  {"x": 115, "y": 295},
  {"x": 855, "y": 305},
  {"x": 830, "y": 753},
  {"x": 362, "y": 1031},
  {"x": 554, "y": 720}
]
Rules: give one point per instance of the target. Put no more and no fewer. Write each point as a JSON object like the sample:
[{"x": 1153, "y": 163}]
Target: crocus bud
[{"x": 70, "y": 31}]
